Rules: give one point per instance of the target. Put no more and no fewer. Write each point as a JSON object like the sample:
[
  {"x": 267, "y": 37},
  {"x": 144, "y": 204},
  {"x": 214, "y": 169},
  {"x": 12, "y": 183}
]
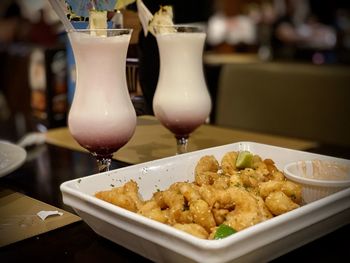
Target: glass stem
[
  {"x": 182, "y": 143},
  {"x": 103, "y": 163}
]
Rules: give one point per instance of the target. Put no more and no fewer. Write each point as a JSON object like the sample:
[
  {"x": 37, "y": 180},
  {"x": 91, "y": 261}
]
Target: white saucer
[{"x": 11, "y": 157}]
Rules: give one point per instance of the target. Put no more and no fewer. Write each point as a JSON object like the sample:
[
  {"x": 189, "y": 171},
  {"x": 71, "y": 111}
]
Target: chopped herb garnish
[{"x": 224, "y": 231}]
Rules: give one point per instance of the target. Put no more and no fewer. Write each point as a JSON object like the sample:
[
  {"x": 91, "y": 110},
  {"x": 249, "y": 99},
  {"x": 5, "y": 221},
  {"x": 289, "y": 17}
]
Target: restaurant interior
[{"x": 277, "y": 71}]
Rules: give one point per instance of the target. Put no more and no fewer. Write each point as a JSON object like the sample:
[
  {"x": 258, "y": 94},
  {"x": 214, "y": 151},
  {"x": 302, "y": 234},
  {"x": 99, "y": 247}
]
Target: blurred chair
[{"x": 298, "y": 100}]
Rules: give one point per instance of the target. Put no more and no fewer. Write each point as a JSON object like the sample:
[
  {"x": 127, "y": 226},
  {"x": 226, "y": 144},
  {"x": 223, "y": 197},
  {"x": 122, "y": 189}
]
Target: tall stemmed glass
[
  {"x": 102, "y": 118},
  {"x": 181, "y": 102}
]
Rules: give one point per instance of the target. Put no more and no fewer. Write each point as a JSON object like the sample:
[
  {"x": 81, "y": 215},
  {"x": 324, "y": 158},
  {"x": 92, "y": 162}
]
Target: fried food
[
  {"x": 193, "y": 229},
  {"x": 221, "y": 194},
  {"x": 279, "y": 203},
  {"x": 292, "y": 190},
  {"x": 246, "y": 211},
  {"x": 207, "y": 164},
  {"x": 125, "y": 196},
  {"x": 228, "y": 163},
  {"x": 151, "y": 210},
  {"x": 202, "y": 214}
]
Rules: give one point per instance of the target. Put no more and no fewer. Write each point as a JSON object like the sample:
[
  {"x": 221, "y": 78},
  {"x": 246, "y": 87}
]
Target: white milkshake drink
[
  {"x": 102, "y": 118},
  {"x": 181, "y": 101}
]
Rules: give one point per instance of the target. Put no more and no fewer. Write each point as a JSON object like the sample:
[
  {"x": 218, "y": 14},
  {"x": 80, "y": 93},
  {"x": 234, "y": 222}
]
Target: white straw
[
  {"x": 57, "y": 6},
  {"x": 144, "y": 15}
]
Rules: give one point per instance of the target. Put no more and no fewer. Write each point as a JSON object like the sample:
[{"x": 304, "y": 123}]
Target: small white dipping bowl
[{"x": 318, "y": 178}]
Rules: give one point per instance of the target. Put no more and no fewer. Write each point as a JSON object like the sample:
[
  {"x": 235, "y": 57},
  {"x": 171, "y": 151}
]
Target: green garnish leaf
[{"x": 224, "y": 231}]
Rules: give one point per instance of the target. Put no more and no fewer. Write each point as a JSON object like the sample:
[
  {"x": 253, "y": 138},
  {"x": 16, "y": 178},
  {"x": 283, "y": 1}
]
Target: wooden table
[{"x": 152, "y": 141}]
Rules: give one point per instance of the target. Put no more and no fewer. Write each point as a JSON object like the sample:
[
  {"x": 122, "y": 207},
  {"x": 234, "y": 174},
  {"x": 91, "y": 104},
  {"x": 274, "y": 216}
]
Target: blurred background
[{"x": 258, "y": 39}]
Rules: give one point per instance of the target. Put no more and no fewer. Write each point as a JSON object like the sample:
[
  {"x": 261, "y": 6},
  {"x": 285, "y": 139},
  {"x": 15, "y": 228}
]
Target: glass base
[
  {"x": 103, "y": 162},
  {"x": 181, "y": 144}
]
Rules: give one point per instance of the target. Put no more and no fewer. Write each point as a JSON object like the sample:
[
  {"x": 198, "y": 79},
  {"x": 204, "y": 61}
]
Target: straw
[
  {"x": 144, "y": 15},
  {"x": 59, "y": 9}
]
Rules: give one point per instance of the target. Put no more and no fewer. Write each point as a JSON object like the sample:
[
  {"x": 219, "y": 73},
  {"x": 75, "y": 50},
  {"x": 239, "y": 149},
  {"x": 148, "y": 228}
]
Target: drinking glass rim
[
  {"x": 100, "y": 30},
  {"x": 188, "y": 28},
  {"x": 181, "y": 25}
]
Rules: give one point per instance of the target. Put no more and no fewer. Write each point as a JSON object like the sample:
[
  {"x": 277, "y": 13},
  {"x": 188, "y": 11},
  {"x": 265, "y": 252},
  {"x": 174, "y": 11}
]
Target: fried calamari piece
[
  {"x": 132, "y": 189},
  {"x": 251, "y": 177},
  {"x": 228, "y": 163},
  {"x": 125, "y": 196},
  {"x": 202, "y": 214},
  {"x": 190, "y": 192},
  {"x": 206, "y": 170},
  {"x": 219, "y": 215},
  {"x": 277, "y": 176},
  {"x": 279, "y": 203},
  {"x": 173, "y": 199},
  {"x": 291, "y": 189},
  {"x": 270, "y": 165},
  {"x": 274, "y": 173},
  {"x": 235, "y": 180},
  {"x": 193, "y": 229},
  {"x": 222, "y": 182},
  {"x": 158, "y": 197},
  {"x": 175, "y": 204},
  {"x": 256, "y": 161},
  {"x": 182, "y": 216},
  {"x": 263, "y": 209},
  {"x": 208, "y": 194},
  {"x": 207, "y": 163},
  {"x": 246, "y": 208},
  {"x": 260, "y": 167},
  {"x": 151, "y": 210},
  {"x": 206, "y": 178}
]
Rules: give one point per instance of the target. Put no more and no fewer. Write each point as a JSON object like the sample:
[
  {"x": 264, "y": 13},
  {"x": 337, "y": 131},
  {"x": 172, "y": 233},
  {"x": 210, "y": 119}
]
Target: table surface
[{"x": 48, "y": 166}]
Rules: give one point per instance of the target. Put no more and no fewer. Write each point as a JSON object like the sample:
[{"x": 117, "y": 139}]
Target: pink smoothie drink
[
  {"x": 181, "y": 102},
  {"x": 102, "y": 118}
]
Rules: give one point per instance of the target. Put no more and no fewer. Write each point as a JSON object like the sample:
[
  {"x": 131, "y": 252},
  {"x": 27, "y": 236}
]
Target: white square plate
[{"x": 163, "y": 243}]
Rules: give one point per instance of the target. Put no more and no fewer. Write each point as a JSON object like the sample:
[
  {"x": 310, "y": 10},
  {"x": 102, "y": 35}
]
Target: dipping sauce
[{"x": 324, "y": 170}]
